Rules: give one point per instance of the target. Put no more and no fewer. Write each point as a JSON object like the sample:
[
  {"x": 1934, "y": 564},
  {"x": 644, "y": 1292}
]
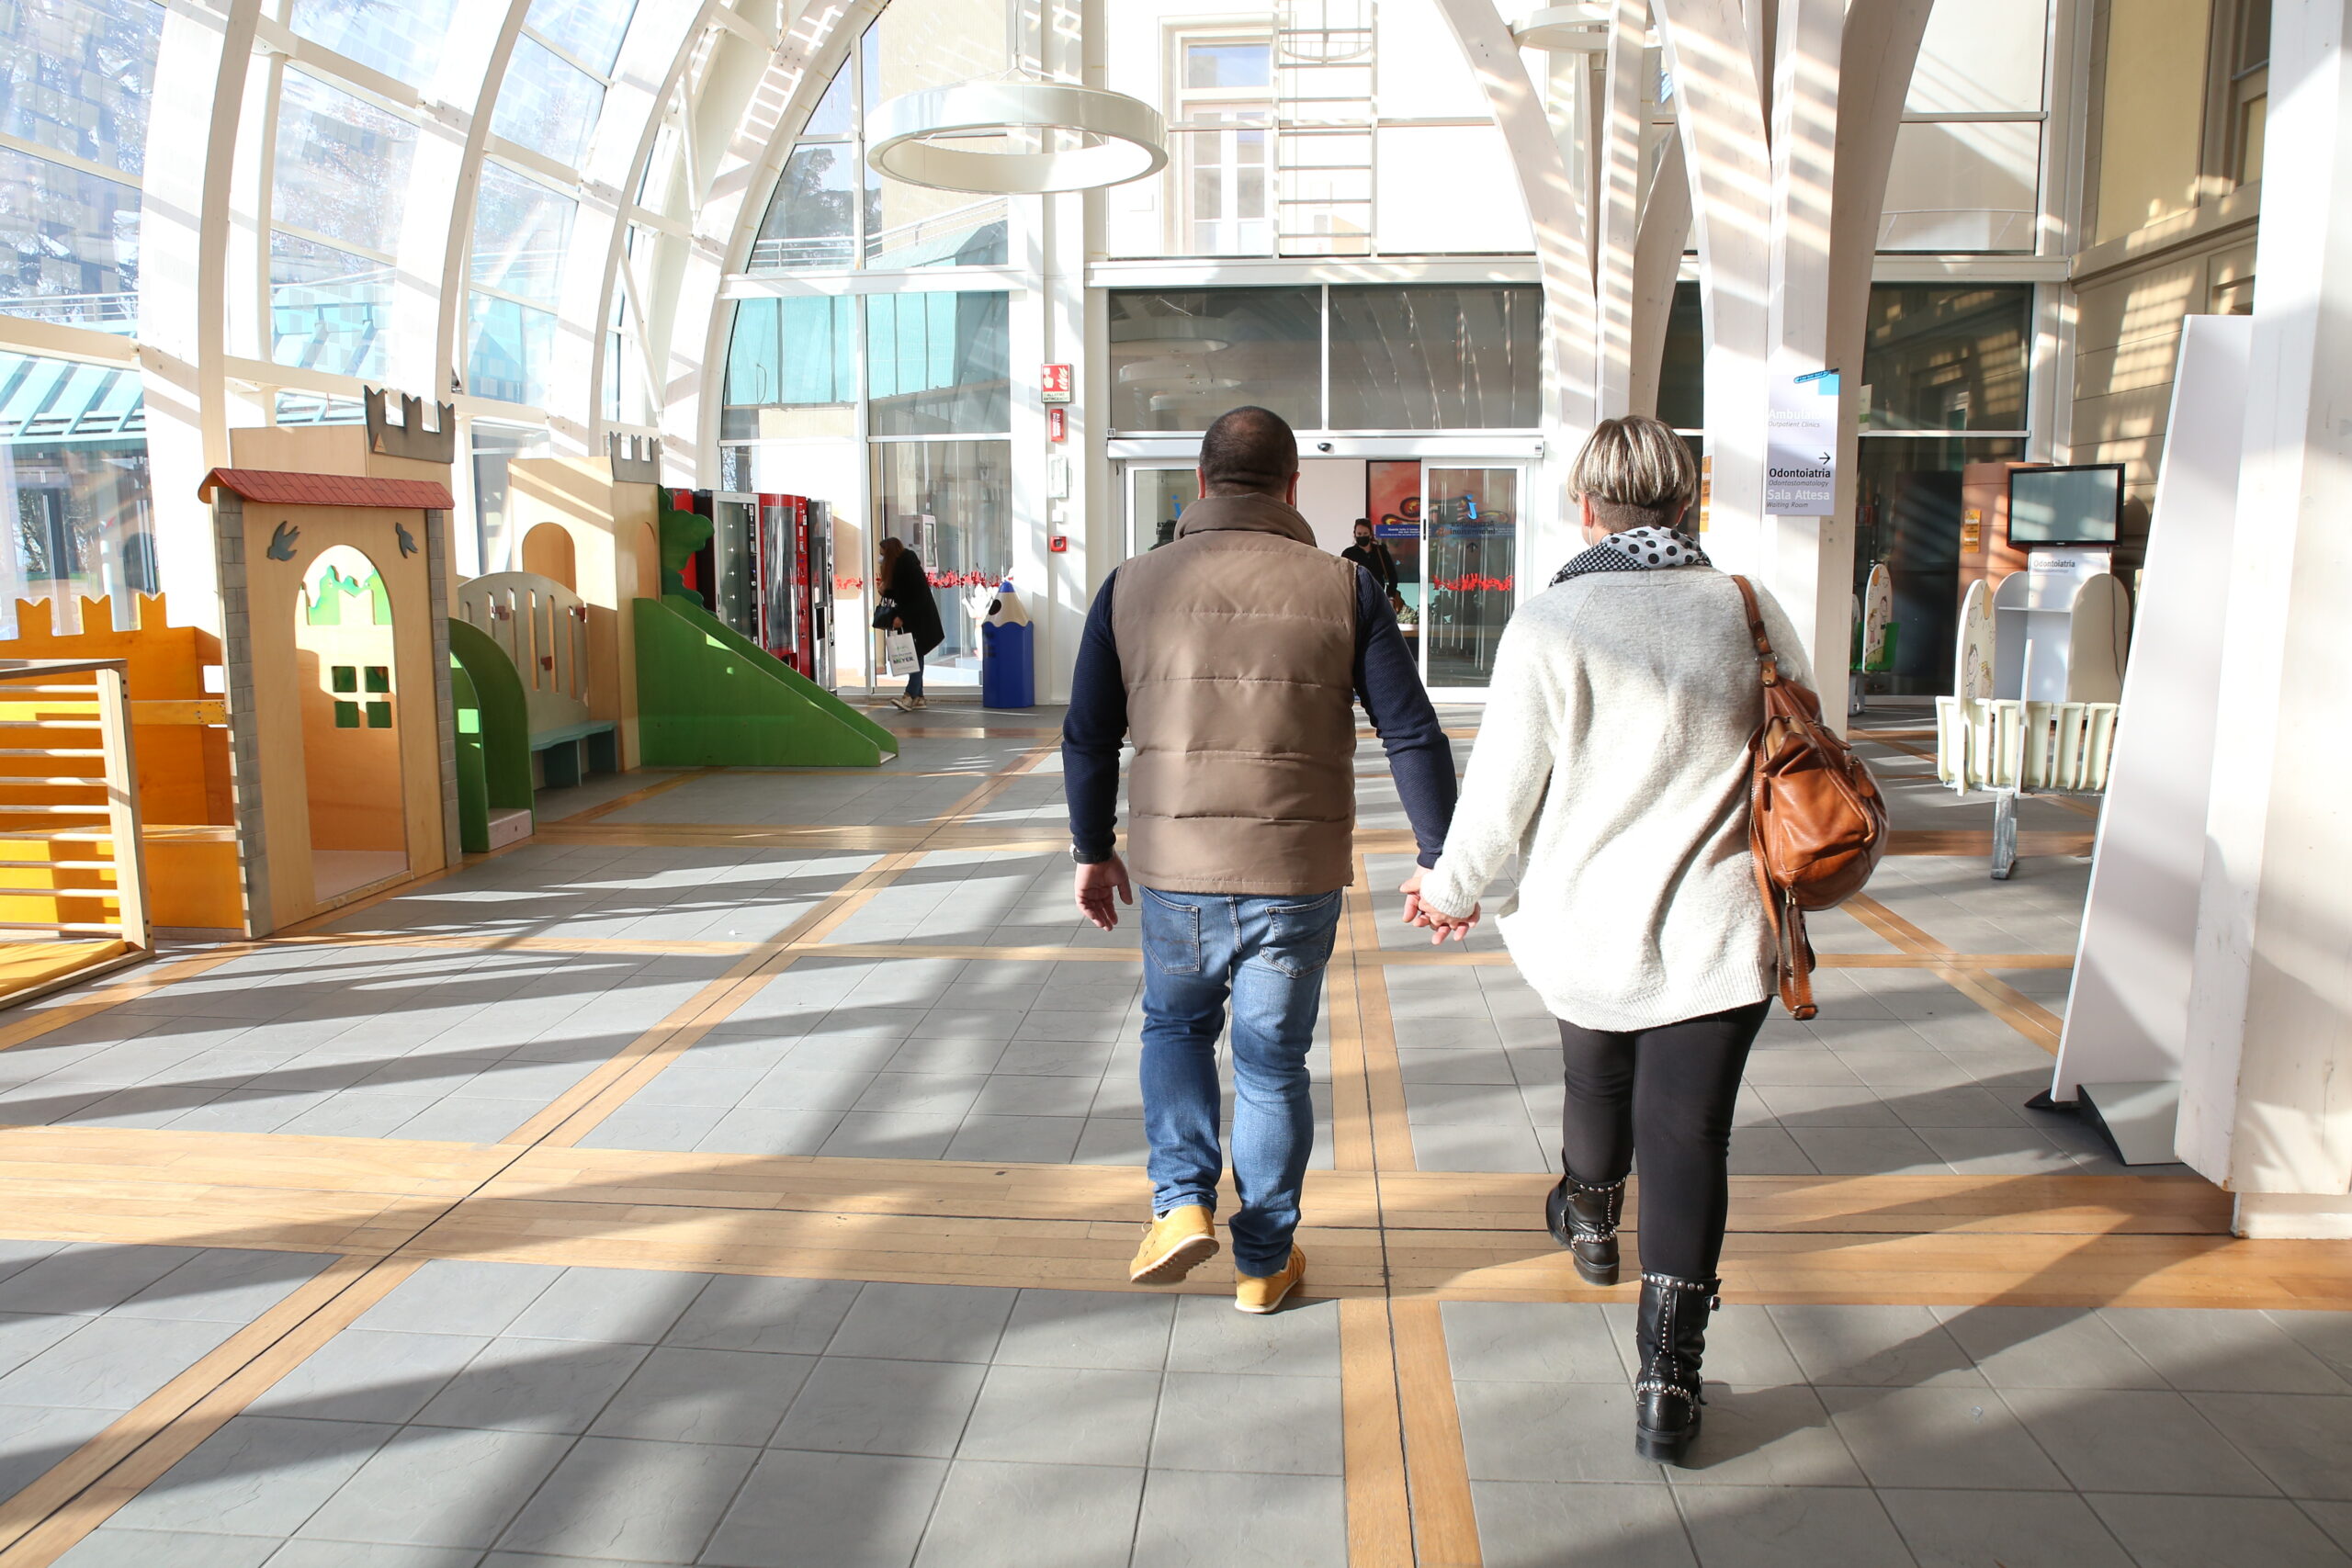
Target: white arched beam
[
  {"x": 1658, "y": 244},
  {"x": 196, "y": 119},
  {"x": 769, "y": 108},
  {"x": 1563, "y": 256},
  {"x": 1617, "y": 211}
]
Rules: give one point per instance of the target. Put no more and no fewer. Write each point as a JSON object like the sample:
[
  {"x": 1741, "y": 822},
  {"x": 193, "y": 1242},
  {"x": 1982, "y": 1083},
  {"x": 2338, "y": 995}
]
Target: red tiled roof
[{"x": 326, "y": 490}]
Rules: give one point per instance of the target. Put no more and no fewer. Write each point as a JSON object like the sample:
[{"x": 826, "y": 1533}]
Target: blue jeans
[
  {"x": 914, "y": 683},
  {"x": 1267, "y": 956}
]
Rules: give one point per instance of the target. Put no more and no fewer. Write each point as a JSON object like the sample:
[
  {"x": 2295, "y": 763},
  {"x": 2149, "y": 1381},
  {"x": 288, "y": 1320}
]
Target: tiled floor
[{"x": 754, "y": 1403}]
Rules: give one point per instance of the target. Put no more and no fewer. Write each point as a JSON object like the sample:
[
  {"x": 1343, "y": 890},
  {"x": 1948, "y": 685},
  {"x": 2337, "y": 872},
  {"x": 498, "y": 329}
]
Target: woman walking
[
  {"x": 1613, "y": 760},
  {"x": 914, "y": 609}
]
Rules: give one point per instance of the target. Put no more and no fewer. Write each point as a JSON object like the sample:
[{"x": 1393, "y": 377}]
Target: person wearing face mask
[{"x": 1369, "y": 553}]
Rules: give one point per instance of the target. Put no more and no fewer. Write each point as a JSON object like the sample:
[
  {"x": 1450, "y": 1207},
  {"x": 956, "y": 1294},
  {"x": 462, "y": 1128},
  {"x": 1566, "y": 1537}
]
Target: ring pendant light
[{"x": 1120, "y": 137}]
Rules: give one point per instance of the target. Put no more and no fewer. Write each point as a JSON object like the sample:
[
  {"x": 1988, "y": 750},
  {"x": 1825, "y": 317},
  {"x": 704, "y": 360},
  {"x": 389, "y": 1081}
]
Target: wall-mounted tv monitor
[{"x": 2079, "y": 504}]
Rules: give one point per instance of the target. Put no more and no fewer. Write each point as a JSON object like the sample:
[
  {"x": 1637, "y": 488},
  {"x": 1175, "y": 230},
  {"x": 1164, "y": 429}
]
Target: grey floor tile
[
  {"x": 1285, "y": 1426},
  {"x": 1210, "y": 1337},
  {"x": 1112, "y": 1139},
  {"x": 854, "y": 1405},
  {"x": 357, "y": 1554},
  {"x": 761, "y": 1132},
  {"x": 533, "y": 1386},
  {"x": 1087, "y": 1328},
  {"x": 1063, "y": 1416},
  {"x": 26, "y": 1335},
  {"x": 1547, "y": 1524},
  {"x": 33, "y": 1438},
  {"x": 748, "y": 1312},
  {"x": 874, "y": 1135},
  {"x": 111, "y": 1363},
  {"x": 1499, "y": 1145},
  {"x": 1778, "y": 1435},
  {"x": 112, "y": 1548},
  {"x": 453, "y": 1296},
  {"x": 257, "y": 1475},
  {"x": 1531, "y": 1431},
  {"x": 616, "y": 1497},
  {"x": 993, "y": 1515},
  {"x": 224, "y": 1285},
  {"x": 799, "y": 1089},
  {"x": 1752, "y": 1526},
  {"x": 637, "y": 1126},
  {"x": 1868, "y": 1151},
  {"x": 88, "y": 1279},
  {"x": 2327, "y": 1334},
  {"x": 2216, "y": 1532},
  {"x": 845, "y": 1510},
  {"x": 2048, "y": 1348},
  {"x": 1531, "y": 1342},
  {"x": 438, "y": 1486},
  {"x": 612, "y": 1306},
  {"x": 1940, "y": 1437},
  {"x": 2302, "y": 1442},
  {"x": 1826, "y": 1105},
  {"x": 1198, "y": 1516},
  {"x": 681, "y": 1395},
  {"x": 932, "y": 1323},
  {"x": 2224, "y": 1351},
  {"x": 1767, "y": 1151},
  {"x": 370, "y": 1375},
  {"x": 1033, "y": 1140},
  {"x": 1873, "y": 1346},
  {"x": 2013, "y": 1529},
  {"x": 2115, "y": 1441}
]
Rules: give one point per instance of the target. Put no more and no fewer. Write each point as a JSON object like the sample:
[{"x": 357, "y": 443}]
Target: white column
[
  {"x": 194, "y": 119},
  {"x": 1617, "y": 209},
  {"x": 2266, "y": 1096}
]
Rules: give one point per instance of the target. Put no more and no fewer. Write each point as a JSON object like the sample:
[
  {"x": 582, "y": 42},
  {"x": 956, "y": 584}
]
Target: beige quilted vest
[{"x": 1238, "y": 644}]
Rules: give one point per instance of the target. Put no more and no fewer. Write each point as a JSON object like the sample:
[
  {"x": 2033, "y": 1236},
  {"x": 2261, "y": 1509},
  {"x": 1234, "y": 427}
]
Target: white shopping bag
[{"x": 898, "y": 654}]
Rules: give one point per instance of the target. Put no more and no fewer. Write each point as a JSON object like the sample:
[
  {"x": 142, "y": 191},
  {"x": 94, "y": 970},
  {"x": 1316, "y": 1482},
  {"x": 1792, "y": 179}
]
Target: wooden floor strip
[
  {"x": 1437, "y": 1473},
  {"x": 1383, "y": 1077},
  {"x": 1380, "y": 1520}
]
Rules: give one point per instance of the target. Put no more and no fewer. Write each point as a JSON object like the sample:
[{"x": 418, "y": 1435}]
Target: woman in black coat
[{"x": 908, "y": 587}]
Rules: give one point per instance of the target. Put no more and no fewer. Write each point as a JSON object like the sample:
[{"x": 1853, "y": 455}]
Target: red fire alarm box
[
  {"x": 1054, "y": 384},
  {"x": 1058, "y": 424},
  {"x": 1058, "y": 544}
]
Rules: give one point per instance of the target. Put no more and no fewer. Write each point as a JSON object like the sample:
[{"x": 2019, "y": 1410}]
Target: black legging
[{"x": 1665, "y": 1093}]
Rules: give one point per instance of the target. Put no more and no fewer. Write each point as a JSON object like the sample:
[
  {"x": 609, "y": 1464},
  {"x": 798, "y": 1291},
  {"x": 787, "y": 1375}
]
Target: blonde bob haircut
[{"x": 1636, "y": 473}]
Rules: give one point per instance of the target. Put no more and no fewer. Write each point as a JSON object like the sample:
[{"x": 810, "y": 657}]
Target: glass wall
[
  {"x": 1966, "y": 174},
  {"x": 1399, "y": 359},
  {"x": 74, "y": 487},
  {"x": 829, "y": 211},
  {"x": 75, "y": 76},
  {"x": 791, "y": 370},
  {"x": 950, "y": 502}
]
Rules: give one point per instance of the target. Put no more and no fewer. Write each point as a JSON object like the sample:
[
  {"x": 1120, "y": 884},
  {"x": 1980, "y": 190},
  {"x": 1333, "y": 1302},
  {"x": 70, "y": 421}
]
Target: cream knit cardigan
[{"x": 1612, "y": 761}]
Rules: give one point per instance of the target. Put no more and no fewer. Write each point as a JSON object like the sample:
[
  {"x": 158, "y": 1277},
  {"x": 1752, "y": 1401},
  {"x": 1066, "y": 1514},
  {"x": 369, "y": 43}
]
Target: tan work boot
[
  {"x": 1252, "y": 1293},
  {"x": 1176, "y": 1241}
]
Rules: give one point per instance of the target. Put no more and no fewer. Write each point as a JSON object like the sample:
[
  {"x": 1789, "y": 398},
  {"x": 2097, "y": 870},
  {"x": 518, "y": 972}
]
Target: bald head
[{"x": 1248, "y": 451}]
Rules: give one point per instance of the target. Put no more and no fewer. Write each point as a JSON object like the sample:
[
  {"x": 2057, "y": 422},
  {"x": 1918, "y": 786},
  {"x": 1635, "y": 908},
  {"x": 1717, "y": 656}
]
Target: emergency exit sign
[{"x": 1054, "y": 383}]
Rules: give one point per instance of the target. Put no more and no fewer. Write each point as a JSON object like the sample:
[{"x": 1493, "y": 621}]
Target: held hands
[
  {"x": 1440, "y": 926},
  {"x": 1096, "y": 883}
]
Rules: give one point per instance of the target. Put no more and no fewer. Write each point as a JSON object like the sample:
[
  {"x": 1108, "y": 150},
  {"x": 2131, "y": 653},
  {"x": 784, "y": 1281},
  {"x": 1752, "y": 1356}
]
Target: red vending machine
[{"x": 796, "y": 573}]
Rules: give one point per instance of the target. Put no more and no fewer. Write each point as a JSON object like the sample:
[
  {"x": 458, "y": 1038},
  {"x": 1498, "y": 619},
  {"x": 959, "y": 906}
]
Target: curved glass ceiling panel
[
  {"x": 328, "y": 310},
  {"x": 520, "y": 230},
  {"x": 811, "y": 219},
  {"x": 69, "y": 244},
  {"x": 832, "y": 116},
  {"x": 546, "y": 105},
  {"x": 588, "y": 30},
  {"x": 402, "y": 39},
  {"x": 75, "y": 74},
  {"x": 342, "y": 166},
  {"x": 509, "y": 349}
]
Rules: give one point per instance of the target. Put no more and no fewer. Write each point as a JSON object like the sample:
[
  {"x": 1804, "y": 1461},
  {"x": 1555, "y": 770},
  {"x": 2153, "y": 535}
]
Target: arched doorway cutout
[{"x": 351, "y": 724}]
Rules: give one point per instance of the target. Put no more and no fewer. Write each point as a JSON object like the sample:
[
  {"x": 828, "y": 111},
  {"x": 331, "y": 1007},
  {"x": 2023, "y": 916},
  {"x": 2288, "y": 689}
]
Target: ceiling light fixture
[{"x": 1116, "y": 138}]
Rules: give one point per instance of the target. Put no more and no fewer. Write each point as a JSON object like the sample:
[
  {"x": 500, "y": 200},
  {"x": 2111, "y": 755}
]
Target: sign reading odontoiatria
[{"x": 1800, "y": 453}]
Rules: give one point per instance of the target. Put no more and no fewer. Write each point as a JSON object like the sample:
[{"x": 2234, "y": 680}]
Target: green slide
[{"x": 709, "y": 698}]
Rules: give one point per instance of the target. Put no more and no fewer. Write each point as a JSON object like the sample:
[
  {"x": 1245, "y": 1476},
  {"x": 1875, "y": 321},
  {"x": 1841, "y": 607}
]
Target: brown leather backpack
[{"x": 1816, "y": 821}]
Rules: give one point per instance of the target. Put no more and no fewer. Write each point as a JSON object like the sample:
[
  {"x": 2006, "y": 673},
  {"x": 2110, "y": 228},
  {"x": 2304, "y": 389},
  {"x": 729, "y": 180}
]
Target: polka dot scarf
[{"x": 1636, "y": 549}]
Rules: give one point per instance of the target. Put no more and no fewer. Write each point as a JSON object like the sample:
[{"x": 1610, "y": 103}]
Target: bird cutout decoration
[
  {"x": 407, "y": 539},
  {"x": 281, "y": 542}
]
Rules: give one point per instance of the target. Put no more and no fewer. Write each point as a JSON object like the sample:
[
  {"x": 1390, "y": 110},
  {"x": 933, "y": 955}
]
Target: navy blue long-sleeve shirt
[{"x": 1419, "y": 757}]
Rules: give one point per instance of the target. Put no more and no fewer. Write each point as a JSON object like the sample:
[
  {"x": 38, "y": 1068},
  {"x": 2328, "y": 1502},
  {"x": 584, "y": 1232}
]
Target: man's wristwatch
[{"x": 1082, "y": 858}]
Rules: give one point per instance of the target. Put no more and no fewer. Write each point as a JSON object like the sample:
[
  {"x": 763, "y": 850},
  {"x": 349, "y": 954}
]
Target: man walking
[{"x": 1231, "y": 658}]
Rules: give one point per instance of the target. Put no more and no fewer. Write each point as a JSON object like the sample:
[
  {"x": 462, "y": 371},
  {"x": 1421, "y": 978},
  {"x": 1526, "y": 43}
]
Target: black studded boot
[
  {"x": 1672, "y": 1333},
  {"x": 1583, "y": 1218}
]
